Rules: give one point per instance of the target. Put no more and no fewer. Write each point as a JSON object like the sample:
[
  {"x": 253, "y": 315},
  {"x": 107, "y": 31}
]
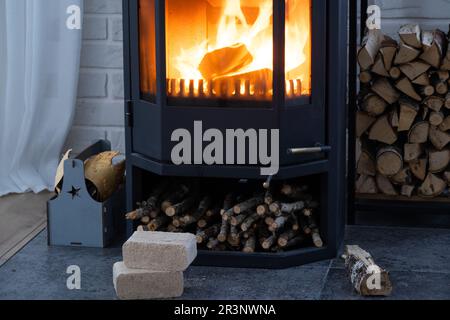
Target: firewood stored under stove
[
  {"x": 403, "y": 116},
  {"x": 232, "y": 220}
]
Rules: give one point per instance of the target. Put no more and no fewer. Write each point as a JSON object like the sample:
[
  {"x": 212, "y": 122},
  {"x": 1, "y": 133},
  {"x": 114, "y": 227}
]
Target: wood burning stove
[{"x": 240, "y": 65}]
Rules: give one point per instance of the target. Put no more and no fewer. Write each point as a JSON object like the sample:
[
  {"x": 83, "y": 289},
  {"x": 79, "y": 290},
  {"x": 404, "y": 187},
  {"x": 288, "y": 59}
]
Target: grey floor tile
[
  {"x": 403, "y": 249},
  {"x": 407, "y": 286},
  {"x": 303, "y": 283},
  {"x": 39, "y": 272}
]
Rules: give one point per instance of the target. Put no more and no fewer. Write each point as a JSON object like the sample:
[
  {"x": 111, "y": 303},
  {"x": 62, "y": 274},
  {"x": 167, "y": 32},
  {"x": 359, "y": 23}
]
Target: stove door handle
[{"x": 313, "y": 150}]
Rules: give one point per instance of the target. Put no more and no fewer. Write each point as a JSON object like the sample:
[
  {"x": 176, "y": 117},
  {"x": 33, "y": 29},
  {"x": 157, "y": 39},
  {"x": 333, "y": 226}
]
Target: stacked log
[
  {"x": 403, "y": 116},
  {"x": 280, "y": 219}
]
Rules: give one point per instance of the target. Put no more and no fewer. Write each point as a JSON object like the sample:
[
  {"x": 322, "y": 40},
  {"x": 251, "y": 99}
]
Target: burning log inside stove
[
  {"x": 224, "y": 61},
  {"x": 234, "y": 221}
]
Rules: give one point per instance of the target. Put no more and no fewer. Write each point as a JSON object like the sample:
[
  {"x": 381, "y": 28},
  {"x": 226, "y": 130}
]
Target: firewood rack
[{"x": 441, "y": 206}]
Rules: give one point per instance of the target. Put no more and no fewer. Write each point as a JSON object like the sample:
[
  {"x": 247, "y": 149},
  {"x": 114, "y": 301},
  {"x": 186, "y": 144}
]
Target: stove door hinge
[{"x": 129, "y": 114}]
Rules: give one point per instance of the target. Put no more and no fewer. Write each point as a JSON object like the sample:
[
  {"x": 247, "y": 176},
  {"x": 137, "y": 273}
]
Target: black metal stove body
[{"x": 312, "y": 127}]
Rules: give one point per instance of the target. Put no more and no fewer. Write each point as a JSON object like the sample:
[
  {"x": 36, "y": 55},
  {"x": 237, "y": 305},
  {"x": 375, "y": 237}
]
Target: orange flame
[{"x": 236, "y": 26}]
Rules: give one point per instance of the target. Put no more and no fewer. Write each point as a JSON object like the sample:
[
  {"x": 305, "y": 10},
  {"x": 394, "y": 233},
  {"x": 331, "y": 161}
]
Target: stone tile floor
[{"x": 418, "y": 259}]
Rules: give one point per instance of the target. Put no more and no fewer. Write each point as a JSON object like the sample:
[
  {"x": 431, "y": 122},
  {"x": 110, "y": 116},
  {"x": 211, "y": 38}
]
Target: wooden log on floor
[{"x": 367, "y": 278}]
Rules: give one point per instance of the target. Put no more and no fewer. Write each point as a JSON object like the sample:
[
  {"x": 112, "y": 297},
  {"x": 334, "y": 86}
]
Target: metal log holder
[{"x": 77, "y": 220}]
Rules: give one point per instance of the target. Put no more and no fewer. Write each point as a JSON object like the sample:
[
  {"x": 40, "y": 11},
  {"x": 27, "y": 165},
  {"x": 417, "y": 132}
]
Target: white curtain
[{"x": 39, "y": 65}]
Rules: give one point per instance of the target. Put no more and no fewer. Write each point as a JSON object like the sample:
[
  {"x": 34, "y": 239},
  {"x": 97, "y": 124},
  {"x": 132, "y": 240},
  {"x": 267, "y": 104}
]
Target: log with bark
[
  {"x": 434, "y": 47},
  {"x": 369, "y": 49},
  {"x": 367, "y": 278}
]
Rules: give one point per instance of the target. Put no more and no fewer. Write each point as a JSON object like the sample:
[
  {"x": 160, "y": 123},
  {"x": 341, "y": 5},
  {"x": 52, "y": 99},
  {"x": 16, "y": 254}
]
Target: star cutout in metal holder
[{"x": 75, "y": 192}]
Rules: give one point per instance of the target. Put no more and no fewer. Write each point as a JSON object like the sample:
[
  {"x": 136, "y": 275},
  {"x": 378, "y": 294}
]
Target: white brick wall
[
  {"x": 99, "y": 108},
  {"x": 430, "y": 14},
  {"x": 99, "y": 111}
]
